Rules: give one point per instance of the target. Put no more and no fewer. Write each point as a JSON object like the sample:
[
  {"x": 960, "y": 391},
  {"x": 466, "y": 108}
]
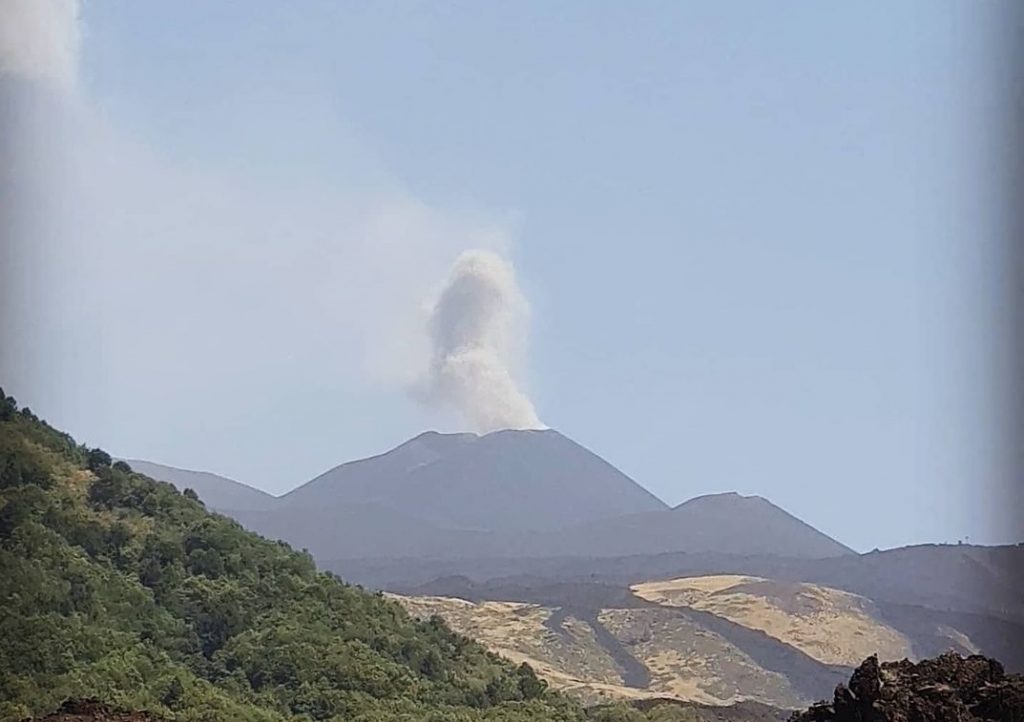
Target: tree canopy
[{"x": 119, "y": 587}]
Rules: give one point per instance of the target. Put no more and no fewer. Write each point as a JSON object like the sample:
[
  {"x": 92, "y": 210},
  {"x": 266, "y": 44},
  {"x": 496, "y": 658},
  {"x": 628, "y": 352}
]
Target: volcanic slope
[
  {"x": 727, "y": 523},
  {"x": 718, "y": 639},
  {"x": 831, "y": 626},
  {"x": 634, "y": 653},
  {"x": 506, "y": 481}
]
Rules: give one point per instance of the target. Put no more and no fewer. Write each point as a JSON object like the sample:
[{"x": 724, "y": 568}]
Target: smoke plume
[
  {"x": 39, "y": 40},
  {"x": 255, "y": 293},
  {"x": 474, "y": 334}
]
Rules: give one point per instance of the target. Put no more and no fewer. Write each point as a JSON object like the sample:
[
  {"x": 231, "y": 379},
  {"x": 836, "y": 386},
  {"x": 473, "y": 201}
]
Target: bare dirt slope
[
  {"x": 713, "y": 640},
  {"x": 832, "y": 626},
  {"x": 561, "y": 648},
  {"x": 635, "y": 651},
  {"x": 689, "y": 662}
]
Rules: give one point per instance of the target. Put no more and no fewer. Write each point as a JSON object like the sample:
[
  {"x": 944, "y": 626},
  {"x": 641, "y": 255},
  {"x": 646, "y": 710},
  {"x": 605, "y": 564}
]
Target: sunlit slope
[
  {"x": 716, "y": 639},
  {"x": 565, "y": 651},
  {"x": 690, "y": 662},
  {"x": 832, "y": 626},
  {"x": 673, "y": 656}
]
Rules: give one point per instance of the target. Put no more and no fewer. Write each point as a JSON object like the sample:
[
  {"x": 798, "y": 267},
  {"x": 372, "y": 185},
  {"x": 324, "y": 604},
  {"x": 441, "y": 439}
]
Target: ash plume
[
  {"x": 39, "y": 40},
  {"x": 82, "y": 197},
  {"x": 475, "y": 330}
]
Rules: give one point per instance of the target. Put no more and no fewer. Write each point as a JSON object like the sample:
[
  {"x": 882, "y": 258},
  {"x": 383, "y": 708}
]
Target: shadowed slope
[
  {"x": 719, "y": 523},
  {"x": 505, "y": 481}
]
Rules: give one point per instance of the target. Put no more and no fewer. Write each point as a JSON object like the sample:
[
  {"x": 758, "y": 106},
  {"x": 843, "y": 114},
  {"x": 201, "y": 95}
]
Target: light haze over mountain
[
  {"x": 217, "y": 492},
  {"x": 767, "y": 263},
  {"x": 504, "y": 494},
  {"x": 502, "y": 481}
]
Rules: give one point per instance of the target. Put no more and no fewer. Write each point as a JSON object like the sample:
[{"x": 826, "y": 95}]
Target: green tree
[
  {"x": 119, "y": 587},
  {"x": 97, "y": 459}
]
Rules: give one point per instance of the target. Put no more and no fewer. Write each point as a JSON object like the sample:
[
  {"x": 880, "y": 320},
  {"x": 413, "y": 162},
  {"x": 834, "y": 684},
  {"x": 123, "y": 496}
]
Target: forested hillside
[{"x": 119, "y": 587}]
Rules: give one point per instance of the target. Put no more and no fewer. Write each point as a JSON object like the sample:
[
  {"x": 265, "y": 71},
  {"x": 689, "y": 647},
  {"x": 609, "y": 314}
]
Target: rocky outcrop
[{"x": 949, "y": 688}]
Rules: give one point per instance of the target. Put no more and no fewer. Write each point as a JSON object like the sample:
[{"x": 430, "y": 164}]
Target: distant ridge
[
  {"x": 725, "y": 523},
  {"x": 729, "y": 516},
  {"x": 506, "y": 481},
  {"x": 217, "y": 492},
  {"x": 505, "y": 494}
]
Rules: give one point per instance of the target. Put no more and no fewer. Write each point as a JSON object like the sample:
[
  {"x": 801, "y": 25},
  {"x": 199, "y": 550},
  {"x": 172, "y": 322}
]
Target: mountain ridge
[
  {"x": 543, "y": 479},
  {"x": 217, "y": 491},
  {"x": 528, "y": 493}
]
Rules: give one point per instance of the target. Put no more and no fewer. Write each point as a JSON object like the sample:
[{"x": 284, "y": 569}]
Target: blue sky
[{"x": 758, "y": 240}]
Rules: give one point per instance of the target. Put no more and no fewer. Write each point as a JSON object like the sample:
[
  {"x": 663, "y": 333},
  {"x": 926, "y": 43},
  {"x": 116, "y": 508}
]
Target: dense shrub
[{"x": 119, "y": 587}]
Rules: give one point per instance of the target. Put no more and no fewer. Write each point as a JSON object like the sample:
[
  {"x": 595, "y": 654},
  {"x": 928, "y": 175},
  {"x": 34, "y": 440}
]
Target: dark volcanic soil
[
  {"x": 949, "y": 688},
  {"x": 91, "y": 710}
]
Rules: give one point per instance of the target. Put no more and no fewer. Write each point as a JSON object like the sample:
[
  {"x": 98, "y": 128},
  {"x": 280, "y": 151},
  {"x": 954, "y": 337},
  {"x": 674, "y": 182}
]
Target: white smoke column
[
  {"x": 39, "y": 40},
  {"x": 474, "y": 340}
]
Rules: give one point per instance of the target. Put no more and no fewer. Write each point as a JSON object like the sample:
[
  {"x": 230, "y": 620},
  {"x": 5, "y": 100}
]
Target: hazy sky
[{"x": 759, "y": 241}]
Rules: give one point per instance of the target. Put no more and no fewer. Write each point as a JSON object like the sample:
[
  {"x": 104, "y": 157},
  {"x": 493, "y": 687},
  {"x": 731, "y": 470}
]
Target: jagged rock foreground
[{"x": 949, "y": 688}]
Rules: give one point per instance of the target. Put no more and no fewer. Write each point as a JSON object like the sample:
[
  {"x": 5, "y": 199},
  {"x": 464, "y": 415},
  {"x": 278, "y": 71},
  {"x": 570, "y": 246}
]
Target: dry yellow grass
[
  {"x": 689, "y": 662},
  {"x": 685, "y": 661},
  {"x": 831, "y": 626},
  {"x": 570, "y": 659}
]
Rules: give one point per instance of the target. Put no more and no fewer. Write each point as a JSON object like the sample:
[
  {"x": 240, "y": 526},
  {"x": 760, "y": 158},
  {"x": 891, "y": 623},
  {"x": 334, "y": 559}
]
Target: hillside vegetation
[
  {"x": 118, "y": 587},
  {"x": 564, "y": 651}
]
